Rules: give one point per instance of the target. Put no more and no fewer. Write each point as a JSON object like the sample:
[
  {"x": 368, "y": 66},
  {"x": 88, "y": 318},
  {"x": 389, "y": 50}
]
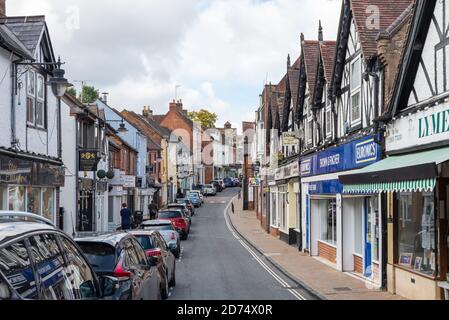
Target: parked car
[
  {"x": 209, "y": 190},
  {"x": 229, "y": 183},
  {"x": 155, "y": 246},
  {"x": 58, "y": 270},
  {"x": 222, "y": 184},
  {"x": 237, "y": 182},
  {"x": 217, "y": 185},
  {"x": 199, "y": 193},
  {"x": 194, "y": 199},
  {"x": 120, "y": 255},
  {"x": 168, "y": 231},
  {"x": 180, "y": 222},
  {"x": 188, "y": 203},
  {"x": 184, "y": 208}
]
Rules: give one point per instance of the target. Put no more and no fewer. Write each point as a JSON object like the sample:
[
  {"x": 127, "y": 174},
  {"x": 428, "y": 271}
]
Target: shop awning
[{"x": 411, "y": 172}]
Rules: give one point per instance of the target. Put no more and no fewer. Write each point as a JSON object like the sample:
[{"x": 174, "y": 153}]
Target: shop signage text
[
  {"x": 290, "y": 139},
  {"x": 349, "y": 156},
  {"x": 88, "y": 160},
  {"x": 421, "y": 128}
]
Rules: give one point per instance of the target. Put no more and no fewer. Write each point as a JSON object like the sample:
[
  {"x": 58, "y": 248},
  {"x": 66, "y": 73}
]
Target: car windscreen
[
  {"x": 158, "y": 228},
  {"x": 145, "y": 241},
  {"x": 101, "y": 256},
  {"x": 170, "y": 214}
]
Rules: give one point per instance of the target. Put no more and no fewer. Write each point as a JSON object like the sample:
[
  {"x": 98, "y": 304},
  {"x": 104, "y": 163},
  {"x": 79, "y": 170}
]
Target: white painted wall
[{"x": 5, "y": 98}]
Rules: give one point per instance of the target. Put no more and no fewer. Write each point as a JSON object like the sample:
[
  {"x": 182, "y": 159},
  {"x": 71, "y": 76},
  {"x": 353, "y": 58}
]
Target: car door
[
  {"x": 162, "y": 263},
  {"x": 17, "y": 270},
  {"x": 167, "y": 256},
  {"x": 47, "y": 258},
  {"x": 130, "y": 263},
  {"x": 151, "y": 287},
  {"x": 84, "y": 283}
]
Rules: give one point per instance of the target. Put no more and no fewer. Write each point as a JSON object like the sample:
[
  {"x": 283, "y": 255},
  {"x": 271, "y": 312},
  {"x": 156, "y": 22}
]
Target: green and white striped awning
[
  {"x": 423, "y": 185},
  {"x": 401, "y": 173}
]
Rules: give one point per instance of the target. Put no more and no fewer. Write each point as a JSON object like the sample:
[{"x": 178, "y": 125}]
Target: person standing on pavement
[
  {"x": 126, "y": 215},
  {"x": 153, "y": 210}
]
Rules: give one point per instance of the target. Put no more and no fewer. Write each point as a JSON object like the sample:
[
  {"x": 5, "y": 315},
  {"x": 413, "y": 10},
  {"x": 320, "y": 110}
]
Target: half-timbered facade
[
  {"x": 341, "y": 226},
  {"x": 415, "y": 175}
]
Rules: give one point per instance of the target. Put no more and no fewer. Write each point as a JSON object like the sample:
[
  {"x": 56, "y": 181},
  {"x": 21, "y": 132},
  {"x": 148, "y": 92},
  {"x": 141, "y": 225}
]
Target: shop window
[
  {"x": 34, "y": 200},
  {"x": 416, "y": 232},
  {"x": 16, "y": 198},
  {"x": 358, "y": 232},
  {"x": 328, "y": 220},
  {"x": 2, "y": 198},
  {"x": 373, "y": 226},
  {"x": 274, "y": 210},
  {"x": 48, "y": 203}
]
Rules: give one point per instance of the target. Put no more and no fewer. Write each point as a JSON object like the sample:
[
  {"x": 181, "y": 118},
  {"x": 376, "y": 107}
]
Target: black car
[
  {"x": 40, "y": 262},
  {"x": 120, "y": 255},
  {"x": 217, "y": 186},
  {"x": 155, "y": 246}
]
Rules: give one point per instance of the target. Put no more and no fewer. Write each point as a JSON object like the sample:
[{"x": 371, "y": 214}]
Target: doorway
[{"x": 86, "y": 211}]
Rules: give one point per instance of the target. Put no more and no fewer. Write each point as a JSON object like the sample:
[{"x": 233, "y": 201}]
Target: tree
[
  {"x": 89, "y": 94},
  {"x": 206, "y": 118},
  {"x": 72, "y": 92}
]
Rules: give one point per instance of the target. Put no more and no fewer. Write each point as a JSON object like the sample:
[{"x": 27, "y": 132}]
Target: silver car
[{"x": 167, "y": 231}]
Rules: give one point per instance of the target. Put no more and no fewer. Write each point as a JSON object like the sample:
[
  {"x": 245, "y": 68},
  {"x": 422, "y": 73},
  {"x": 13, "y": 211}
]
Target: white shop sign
[{"x": 421, "y": 128}]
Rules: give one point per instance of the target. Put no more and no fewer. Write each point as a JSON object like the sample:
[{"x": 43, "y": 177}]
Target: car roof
[
  {"x": 112, "y": 239},
  {"x": 143, "y": 232},
  {"x": 10, "y": 229},
  {"x": 176, "y": 205},
  {"x": 156, "y": 223}
]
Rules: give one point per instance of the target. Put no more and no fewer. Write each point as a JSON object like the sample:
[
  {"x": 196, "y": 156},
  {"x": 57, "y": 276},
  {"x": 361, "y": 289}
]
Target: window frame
[
  {"x": 354, "y": 91},
  {"x": 34, "y": 97}
]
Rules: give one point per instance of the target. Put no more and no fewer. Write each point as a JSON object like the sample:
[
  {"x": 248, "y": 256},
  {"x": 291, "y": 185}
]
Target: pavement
[
  {"x": 316, "y": 277},
  {"x": 216, "y": 264}
]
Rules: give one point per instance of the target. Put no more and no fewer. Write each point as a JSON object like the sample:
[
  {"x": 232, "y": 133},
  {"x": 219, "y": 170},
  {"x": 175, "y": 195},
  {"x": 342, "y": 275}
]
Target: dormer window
[{"x": 35, "y": 99}]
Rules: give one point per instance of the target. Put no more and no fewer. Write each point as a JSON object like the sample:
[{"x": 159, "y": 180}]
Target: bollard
[{"x": 232, "y": 207}]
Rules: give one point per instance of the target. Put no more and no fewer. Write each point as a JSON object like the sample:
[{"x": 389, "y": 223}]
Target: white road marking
[{"x": 256, "y": 257}]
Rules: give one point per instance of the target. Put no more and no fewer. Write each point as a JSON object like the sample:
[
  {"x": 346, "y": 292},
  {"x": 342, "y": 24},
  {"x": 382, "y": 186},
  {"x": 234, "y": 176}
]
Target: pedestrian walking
[
  {"x": 153, "y": 210},
  {"x": 126, "y": 215}
]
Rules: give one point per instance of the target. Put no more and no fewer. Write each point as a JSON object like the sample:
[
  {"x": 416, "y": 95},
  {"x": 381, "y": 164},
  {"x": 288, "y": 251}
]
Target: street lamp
[{"x": 59, "y": 86}]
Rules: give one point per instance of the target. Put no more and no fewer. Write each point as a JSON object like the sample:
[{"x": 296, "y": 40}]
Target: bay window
[
  {"x": 327, "y": 210},
  {"x": 356, "y": 84},
  {"x": 35, "y": 99}
]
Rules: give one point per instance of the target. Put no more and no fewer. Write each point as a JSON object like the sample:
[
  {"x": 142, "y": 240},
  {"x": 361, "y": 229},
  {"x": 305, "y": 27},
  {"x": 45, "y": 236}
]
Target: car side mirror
[{"x": 109, "y": 286}]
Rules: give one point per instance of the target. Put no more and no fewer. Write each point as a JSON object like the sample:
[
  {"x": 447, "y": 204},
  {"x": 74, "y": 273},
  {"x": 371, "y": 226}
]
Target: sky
[{"x": 217, "y": 53}]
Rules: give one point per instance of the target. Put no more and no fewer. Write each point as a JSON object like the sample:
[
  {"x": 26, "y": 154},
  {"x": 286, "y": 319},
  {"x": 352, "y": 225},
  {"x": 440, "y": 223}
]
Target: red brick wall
[
  {"x": 177, "y": 123},
  {"x": 274, "y": 232},
  {"x": 327, "y": 252},
  {"x": 358, "y": 264}
]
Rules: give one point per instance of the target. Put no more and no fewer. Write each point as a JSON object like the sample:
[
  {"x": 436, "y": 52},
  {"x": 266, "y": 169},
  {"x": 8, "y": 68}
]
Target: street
[{"x": 215, "y": 265}]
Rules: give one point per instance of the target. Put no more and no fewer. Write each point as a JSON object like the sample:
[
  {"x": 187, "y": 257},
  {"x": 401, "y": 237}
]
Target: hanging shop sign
[
  {"x": 290, "y": 139},
  {"x": 421, "y": 128},
  {"x": 353, "y": 155},
  {"x": 88, "y": 160},
  {"x": 30, "y": 173}
]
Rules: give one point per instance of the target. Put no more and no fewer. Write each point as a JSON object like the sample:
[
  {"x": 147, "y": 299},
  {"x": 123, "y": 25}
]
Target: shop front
[
  {"x": 30, "y": 185},
  {"x": 336, "y": 225},
  {"x": 415, "y": 185},
  {"x": 287, "y": 202}
]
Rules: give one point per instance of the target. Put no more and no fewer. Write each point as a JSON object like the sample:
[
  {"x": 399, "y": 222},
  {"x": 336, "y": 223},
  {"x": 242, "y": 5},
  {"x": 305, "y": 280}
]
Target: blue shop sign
[
  {"x": 325, "y": 187},
  {"x": 354, "y": 155}
]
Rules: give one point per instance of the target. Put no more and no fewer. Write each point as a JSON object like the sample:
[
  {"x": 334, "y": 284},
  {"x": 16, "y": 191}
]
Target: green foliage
[
  {"x": 206, "y": 118},
  {"x": 72, "y": 91},
  {"x": 89, "y": 94}
]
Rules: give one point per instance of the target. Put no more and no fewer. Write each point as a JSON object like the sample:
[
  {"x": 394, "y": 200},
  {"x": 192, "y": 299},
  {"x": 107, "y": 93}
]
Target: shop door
[
  {"x": 368, "y": 259},
  {"x": 86, "y": 211}
]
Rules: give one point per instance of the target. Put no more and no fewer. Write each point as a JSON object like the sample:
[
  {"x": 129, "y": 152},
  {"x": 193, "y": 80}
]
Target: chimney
[
  {"x": 176, "y": 105},
  {"x": 2, "y": 8},
  {"x": 105, "y": 96},
  {"x": 147, "y": 113}
]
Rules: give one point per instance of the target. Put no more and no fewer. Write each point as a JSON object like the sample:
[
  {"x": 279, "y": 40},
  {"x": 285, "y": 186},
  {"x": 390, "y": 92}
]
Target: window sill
[
  {"x": 32, "y": 126},
  {"x": 357, "y": 255},
  {"x": 415, "y": 272},
  {"x": 328, "y": 244}
]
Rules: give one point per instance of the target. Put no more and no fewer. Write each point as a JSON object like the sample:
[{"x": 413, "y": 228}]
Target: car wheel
[{"x": 173, "y": 276}]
